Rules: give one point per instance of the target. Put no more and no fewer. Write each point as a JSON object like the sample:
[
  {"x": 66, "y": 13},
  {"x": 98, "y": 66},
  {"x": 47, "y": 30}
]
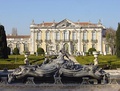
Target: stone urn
[
  {"x": 95, "y": 53},
  {"x": 26, "y": 60}
]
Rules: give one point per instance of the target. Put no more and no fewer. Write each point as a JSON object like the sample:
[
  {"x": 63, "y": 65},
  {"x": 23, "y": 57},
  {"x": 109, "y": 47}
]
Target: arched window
[
  {"x": 18, "y": 46},
  {"x": 25, "y": 47},
  {"x": 84, "y": 48}
]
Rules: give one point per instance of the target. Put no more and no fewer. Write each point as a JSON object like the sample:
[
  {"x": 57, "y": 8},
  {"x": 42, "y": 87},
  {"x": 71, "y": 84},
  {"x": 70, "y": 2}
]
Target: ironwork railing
[
  {"x": 94, "y": 40},
  {"x": 85, "y": 40}
]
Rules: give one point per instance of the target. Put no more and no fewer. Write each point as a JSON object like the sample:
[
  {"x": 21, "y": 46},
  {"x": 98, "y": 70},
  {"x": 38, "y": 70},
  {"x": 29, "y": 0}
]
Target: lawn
[
  {"x": 16, "y": 60},
  {"x": 110, "y": 60},
  {"x": 19, "y": 59}
]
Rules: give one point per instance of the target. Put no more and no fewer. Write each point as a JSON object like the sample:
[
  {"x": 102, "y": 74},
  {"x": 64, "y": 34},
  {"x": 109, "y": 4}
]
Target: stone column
[
  {"x": 100, "y": 41},
  {"x": 79, "y": 42},
  {"x": 54, "y": 38},
  {"x": 33, "y": 42},
  {"x": 69, "y": 47},
  {"x": 22, "y": 47}
]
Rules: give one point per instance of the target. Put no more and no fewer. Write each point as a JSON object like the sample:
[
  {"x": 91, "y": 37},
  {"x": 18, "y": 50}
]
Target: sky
[{"x": 20, "y": 13}]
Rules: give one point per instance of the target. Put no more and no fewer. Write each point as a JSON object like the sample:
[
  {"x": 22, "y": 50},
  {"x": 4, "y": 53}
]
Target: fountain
[
  {"x": 58, "y": 74},
  {"x": 60, "y": 70}
]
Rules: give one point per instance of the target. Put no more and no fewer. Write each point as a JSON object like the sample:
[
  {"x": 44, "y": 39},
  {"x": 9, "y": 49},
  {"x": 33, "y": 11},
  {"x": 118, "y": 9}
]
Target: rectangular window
[
  {"x": 93, "y": 35},
  {"x": 84, "y": 35},
  {"x": 66, "y": 35},
  {"x": 57, "y": 36},
  {"x": 47, "y": 35},
  {"x": 38, "y": 35},
  {"x": 74, "y": 36}
]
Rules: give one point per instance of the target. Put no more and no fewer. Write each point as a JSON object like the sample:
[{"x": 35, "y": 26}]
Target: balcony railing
[
  {"x": 66, "y": 40},
  {"x": 85, "y": 40},
  {"x": 39, "y": 41},
  {"x": 48, "y": 40},
  {"x": 94, "y": 40},
  {"x": 58, "y": 40},
  {"x": 74, "y": 40}
]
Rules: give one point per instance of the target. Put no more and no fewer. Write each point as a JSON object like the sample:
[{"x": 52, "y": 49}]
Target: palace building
[{"x": 75, "y": 37}]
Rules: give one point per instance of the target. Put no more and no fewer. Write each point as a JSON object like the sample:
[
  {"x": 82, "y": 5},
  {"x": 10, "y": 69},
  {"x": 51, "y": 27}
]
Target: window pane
[
  {"x": 84, "y": 35},
  {"x": 57, "y": 36},
  {"x": 93, "y": 35},
  {"x": 74, "y": 36},
  {"x": 65, "y": 35},
  {"x": 47, "y": 35},
  {"x": 38, "y": 35}
]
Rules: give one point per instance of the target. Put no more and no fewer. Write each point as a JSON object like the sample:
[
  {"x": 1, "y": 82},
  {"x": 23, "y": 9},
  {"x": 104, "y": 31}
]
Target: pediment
[{"x": 65, "y": 23}]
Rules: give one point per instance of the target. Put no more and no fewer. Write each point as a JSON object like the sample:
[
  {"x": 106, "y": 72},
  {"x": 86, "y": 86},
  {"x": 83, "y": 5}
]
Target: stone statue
[
  {"x": 57, "y": 68},
  {"x": 62, "y": 54}
]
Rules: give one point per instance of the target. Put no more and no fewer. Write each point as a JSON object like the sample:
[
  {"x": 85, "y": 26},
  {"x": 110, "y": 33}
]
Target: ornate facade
[{"x": 75, "y": 37}]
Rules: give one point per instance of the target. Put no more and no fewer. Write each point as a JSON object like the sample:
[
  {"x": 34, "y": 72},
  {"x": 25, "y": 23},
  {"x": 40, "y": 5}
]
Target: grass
[
  {"x": 19, "y": 59},
  {"x": 102, "y": 59},
  {"x": 113, "y": 61},
  {"x": 110, "y": 60}
]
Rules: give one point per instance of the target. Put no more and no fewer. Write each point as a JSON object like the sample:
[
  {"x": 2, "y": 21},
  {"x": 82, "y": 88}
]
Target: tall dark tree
[
  {"x": 110, "y": 39},
  {"x": 3, "y": 43},
  {"x": 118, "y": 41}
]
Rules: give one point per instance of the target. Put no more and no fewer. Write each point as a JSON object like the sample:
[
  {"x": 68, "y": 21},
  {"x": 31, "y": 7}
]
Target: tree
[
  {"x": 16, "y": 51},
  {"x": 118, "y": 41},
  {"x": 40, "y": 51},
  {"x": 110, "y": 36},
  {"x": 8, "y": 48},
  {"x": 3, "y": 43}
]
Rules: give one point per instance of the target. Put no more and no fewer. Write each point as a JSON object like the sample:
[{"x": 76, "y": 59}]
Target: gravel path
[{"x": 53, "y": 87}]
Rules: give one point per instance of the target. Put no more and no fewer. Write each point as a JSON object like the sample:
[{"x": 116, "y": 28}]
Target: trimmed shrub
[
  {"x": 9, "y": 66},
  {"x": 40, "y": 51},
  {"x": 16, "y": 51},
  {"x": 90, "y": 51},
  {"x": 8, "y": 49}
]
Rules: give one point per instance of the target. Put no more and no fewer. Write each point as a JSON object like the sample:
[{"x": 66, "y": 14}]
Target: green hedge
[{"x": 9, "y": 66}]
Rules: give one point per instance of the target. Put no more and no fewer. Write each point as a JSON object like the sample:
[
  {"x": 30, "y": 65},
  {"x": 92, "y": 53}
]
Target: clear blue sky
[{"x": 20, "y": 13}]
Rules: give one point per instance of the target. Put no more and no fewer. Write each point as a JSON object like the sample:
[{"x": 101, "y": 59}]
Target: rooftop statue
[{"x": 57, "y": 68}]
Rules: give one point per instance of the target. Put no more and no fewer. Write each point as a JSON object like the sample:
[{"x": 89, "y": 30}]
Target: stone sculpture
[{"x": 57, "y": 68}]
